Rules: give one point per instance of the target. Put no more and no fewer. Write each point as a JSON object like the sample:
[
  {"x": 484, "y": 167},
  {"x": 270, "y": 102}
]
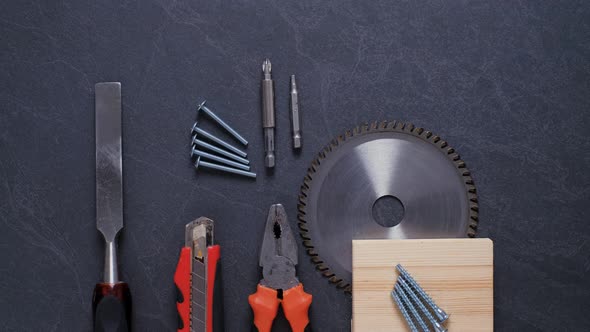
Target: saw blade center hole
[{"x": 388, "y": 211}]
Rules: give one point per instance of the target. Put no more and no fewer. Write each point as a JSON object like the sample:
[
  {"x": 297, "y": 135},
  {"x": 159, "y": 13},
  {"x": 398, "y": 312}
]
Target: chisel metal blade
[{"x": 109, "y": 165}]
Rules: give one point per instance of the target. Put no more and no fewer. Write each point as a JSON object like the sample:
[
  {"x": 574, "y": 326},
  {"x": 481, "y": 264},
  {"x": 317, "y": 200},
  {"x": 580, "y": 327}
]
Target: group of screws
[
  {"x": 234, "y": 158},
  {"x": 415, "y": 305}
]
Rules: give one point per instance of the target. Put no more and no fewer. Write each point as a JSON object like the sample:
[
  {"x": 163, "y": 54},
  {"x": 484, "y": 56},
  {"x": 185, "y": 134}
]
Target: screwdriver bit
[
  {"x": 268, "y": 115},
  {"x": 295, "y": 117}
]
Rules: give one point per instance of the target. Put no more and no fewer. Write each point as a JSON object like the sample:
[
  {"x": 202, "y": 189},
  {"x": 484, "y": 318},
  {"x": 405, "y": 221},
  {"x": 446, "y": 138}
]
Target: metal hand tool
[
  {"x": 111, "y": 302},
  {"x": 196, "y": 152},
  {"x": 279, "y": 284},
  {"x": 372, "y": 162},
  {"x": 200, "y": 163},
  {"x": 295, "y": 117},
  {"x": 222, "y": 123},
  {"x": 198, "y": 280},
  {"x": 223, "y": 152},
  {"x": 199, "y": 131},
  {"x": 268, "y": 115}
]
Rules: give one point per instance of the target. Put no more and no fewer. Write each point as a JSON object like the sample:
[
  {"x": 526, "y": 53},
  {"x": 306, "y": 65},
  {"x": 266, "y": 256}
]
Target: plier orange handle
[{"x": 278, "y": 258}]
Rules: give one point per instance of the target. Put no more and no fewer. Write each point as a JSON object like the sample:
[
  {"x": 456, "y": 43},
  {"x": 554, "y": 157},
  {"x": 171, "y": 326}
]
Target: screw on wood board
[
  {"x": 404, "y": 311},
  {"x": 440, "y": 314},
  {"x": 406, "y": 301},
  {"x": 405, "y": 287}
]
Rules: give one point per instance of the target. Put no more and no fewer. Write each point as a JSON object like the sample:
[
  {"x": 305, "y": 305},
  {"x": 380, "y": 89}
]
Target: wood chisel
[
  {"x": 198, "y": 280},
  {"x": 111, "y": 302}
]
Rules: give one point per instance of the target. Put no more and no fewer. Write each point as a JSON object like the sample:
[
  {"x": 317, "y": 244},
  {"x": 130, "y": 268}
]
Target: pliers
[{"x": 279, "y": 284}]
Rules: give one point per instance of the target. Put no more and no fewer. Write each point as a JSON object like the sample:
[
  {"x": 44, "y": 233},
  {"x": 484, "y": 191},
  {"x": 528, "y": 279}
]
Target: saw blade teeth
[
  {"x": 326, "y": 272},
  {"x": 409, "y": 127},
  {"x": 335, "y": 279},
  {"x": 365, "y": 128},
  {"x": 359, "y": 130},
  {"x": 320, "y": 266}
]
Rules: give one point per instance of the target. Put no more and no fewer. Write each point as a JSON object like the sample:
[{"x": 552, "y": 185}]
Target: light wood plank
[{"x": 457, "y": 273}]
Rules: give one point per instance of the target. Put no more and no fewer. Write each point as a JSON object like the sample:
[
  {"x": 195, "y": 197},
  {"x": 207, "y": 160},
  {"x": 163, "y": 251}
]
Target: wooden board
[{"x": 457, "y": 273}]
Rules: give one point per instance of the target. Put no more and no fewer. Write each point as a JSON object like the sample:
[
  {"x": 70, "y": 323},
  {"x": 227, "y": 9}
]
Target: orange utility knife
[
  {"x": 198, "y": 280},
  {"x": 279, "y": 285}
]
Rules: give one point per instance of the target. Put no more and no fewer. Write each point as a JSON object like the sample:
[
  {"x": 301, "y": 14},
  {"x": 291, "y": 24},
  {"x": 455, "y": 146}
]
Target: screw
[
  {"x": 205, "y": 164},
  {"x": 442, "y": 316},
  {"x": 213, "y": 148},
  {"x": 217, "y": 119},
  {"x": 199, "y": 131},
  {"x": 408, "y": 290},
  {"x": 222, "y": 160},
  {"x": 411, "y": 308},
  {"x": 404, "y": 311}
]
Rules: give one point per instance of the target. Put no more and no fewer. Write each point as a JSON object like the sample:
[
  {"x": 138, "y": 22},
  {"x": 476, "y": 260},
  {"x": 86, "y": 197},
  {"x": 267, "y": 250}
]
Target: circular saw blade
[{"x": 372, "y": 161}]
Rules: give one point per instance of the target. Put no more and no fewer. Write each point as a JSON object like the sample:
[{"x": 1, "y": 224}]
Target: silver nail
[
  {"x": 205, "y": 164},
  {"x": 222, "y": 123},
  {"x": 199, "y": 131},
  {"x": 223, "y": 152},
  {"x": 222, "y": 160}
]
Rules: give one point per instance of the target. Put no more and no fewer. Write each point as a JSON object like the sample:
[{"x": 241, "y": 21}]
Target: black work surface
[{"x": 506, "y": 83}]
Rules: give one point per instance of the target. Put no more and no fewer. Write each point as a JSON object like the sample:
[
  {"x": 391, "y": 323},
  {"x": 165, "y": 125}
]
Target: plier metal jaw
[{"x": 279, "y": 283}]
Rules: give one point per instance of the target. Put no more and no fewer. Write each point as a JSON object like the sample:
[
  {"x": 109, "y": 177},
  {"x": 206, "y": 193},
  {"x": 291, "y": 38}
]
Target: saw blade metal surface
[{"x": 373, "y": 161}]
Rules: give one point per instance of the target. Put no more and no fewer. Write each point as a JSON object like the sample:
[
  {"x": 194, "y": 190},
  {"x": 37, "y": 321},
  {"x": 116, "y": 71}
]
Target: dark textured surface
[{"x": 505, "y": 82}]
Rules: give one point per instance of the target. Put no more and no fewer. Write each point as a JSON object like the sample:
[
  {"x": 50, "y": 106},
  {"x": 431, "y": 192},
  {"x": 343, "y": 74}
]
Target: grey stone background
[{"x": 505, "y": 82}]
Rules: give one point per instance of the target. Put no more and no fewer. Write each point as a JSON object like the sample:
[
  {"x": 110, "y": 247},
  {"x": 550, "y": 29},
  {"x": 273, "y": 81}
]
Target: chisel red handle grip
[{"x": 111, "y": 307}]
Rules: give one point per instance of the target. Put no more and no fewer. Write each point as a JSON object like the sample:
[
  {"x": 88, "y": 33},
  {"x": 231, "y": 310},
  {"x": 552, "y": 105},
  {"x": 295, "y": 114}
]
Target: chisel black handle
[{"x": 111, "y": 307}]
